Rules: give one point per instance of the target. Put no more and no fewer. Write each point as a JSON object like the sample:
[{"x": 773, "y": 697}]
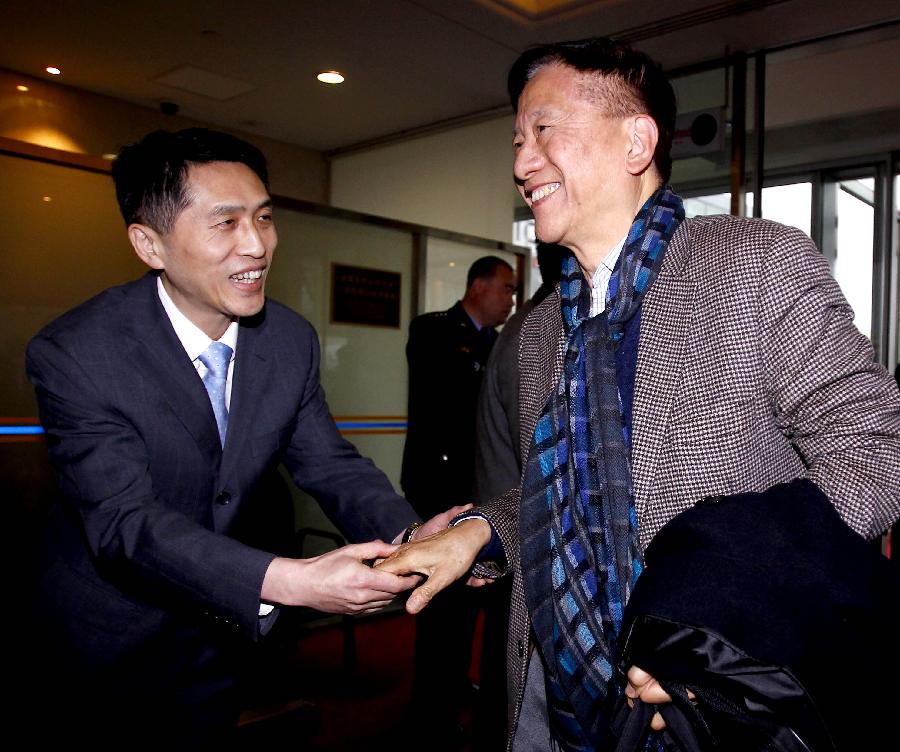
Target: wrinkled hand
[
  {"x": 443, "y": 558},
  {"x": 337, "y": 582},
  {"x": 439, "y": 522},
  {"x": 644, "y": 687}
]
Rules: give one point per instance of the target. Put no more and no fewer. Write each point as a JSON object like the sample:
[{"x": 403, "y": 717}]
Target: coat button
[
  {"x": 521, "y": 648},
  {"x": 711, "y": 501},
  {"x": 223, "y": 498}
]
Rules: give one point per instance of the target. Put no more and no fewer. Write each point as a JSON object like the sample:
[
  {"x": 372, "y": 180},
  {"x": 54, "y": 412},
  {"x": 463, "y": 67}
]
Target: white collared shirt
[
  {"x": 602, "y": 275},
  {"x": 195, "y": 341}
]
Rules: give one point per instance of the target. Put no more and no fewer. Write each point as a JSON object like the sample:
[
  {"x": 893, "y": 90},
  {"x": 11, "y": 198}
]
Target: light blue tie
[{"x": 216, "y": 358}]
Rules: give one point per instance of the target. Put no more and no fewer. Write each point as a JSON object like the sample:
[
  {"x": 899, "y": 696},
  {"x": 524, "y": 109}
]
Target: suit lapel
[
  {"x": 160, "y": 357},
  {"x": 665, "y": 325},
  {"x": 248, "y": 382},
  {"x": 539, "y": 371}
]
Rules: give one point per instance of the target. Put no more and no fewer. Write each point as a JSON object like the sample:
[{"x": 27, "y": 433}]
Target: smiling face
[
  {"x": 215, "y": 259},
  {"x": 571, "y": 163}
]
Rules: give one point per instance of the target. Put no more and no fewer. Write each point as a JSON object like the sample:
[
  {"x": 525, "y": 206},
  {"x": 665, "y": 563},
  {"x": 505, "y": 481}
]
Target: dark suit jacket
[
  {"x": 144, "y": 553},
  {"x": 447, "y": 356}
]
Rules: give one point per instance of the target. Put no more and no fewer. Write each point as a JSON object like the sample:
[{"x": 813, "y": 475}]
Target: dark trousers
[
  {"x": 184, "y": 691},
  {"x": 443, "y": 654}
]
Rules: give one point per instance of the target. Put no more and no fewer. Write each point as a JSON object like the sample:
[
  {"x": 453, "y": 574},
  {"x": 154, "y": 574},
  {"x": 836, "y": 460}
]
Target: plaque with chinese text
[{"x": 365, "y": 296}]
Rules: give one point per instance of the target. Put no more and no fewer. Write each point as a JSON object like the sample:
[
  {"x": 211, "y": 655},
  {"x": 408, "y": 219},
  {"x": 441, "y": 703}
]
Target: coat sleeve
[
  {"x": 134, "y": 537},
  {"x": 355, "y": 495},
  {"x": 503, "y": 515},
  {"x": 839, "y": 408}
]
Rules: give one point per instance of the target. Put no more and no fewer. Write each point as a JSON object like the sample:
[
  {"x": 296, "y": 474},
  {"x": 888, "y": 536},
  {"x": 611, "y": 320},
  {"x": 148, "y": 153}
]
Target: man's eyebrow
[
  {"x": 236, "y": 208},
  {"x": 536, "y": 114},
  {"x": 218, "y": 211}
]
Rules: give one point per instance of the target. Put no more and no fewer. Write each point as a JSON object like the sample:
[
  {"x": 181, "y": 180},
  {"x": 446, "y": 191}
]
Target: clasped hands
[
  {"x": 342, "y": 582},
  {"x": 442, "y": 558}
]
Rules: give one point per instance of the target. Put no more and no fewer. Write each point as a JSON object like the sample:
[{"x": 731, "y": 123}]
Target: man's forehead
[
  {"x": 568, "y": 85},
  {"x": 226, "y": 182},
  {"x": 203, "y": 172}
]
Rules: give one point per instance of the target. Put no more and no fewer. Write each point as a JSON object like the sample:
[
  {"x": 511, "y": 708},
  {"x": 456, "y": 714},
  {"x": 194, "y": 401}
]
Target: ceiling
[{"x": 410, "y": 64}]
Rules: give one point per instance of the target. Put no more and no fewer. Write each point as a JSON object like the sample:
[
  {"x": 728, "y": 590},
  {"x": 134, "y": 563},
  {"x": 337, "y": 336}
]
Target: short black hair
[
  {"x": 636, "y": 83},
  {"x": 150, "y": 175},
  {"x": 483, "y": 268}
]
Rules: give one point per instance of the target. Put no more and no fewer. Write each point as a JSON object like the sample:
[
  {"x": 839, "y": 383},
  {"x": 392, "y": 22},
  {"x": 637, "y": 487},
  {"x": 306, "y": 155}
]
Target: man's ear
[
  {"x": 147, "y": 244},
  {"x": 641, "y": 144}
]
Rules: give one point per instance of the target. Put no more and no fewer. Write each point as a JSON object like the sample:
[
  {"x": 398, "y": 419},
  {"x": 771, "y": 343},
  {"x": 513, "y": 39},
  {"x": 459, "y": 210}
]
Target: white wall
[{"x": 457, "y": 180}]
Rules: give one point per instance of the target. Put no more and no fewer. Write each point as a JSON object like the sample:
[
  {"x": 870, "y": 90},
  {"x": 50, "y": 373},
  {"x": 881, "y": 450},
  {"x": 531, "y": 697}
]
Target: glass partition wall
[{"x": 806, "y": 127}]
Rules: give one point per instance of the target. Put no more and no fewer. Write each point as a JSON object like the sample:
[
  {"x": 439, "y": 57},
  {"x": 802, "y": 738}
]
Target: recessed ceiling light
[
  {"x": 46, "y": 199},
  {"x": 452, "y": 264},
  {"x": 330, "y": 77},
  {"x": 52, "y": 71},
  {"x": 21, "y": 87}
]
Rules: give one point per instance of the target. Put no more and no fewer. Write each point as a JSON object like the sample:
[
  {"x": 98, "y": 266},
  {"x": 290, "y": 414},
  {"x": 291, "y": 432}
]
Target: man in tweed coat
[{"x": 738, "y": 369}]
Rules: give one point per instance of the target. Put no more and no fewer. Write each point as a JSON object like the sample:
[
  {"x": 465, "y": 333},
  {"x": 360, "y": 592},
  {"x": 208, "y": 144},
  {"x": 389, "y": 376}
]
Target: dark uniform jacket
[{"x": 447, "y": 356}]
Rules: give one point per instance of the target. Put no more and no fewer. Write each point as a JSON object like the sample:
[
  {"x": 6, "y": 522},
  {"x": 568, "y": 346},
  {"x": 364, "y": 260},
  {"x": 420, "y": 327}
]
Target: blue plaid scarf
[{"x": 577, "y": 485}]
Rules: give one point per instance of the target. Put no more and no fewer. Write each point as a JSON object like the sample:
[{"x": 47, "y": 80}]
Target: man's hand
[
  {"x": 439, "y": 522},
  {"x": 337, "y": 582},
  {"x": 644, "y": 687},
  {"x": 443, "y": 558}
]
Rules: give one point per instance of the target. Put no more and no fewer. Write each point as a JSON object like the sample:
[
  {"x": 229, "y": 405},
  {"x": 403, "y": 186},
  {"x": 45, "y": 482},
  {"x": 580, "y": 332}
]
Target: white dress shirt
[
  {"x": 600, "y": 280},
  {"x": 195, "y": 341}
]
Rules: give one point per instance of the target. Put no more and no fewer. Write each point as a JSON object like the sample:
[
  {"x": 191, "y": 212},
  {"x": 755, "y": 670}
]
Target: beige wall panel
[
  {"x": 64, "y": 251},
  {"x": 458, "y": 180}
]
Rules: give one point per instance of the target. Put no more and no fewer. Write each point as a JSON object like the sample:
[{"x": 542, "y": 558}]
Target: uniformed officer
[{"x": 447, "y": 353}]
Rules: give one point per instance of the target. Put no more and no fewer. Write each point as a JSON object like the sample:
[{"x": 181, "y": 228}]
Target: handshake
[
  {"x": 441, "y": 556},
  {"x": 341, "y": 581}
]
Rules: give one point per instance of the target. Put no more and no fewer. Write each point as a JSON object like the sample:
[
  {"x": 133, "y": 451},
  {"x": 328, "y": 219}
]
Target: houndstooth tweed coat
[{"x": 750, "y": 372}]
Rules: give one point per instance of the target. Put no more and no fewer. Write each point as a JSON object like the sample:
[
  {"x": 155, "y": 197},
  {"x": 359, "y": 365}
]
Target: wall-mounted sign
[{"x": 365, "y": 296}]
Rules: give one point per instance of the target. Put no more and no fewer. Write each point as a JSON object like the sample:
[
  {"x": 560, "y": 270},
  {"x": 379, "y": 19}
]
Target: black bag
[{"x": 782, "y": 621}]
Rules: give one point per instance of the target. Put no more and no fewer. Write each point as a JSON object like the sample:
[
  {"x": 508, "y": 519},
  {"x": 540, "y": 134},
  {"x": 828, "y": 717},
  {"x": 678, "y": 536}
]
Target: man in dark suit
[
  {"x": 166, "y": 401},
  {"x": 447, "y": 353}
]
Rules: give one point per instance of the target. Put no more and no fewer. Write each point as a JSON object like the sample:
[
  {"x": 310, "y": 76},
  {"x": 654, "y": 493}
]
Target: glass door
[{"x": 847, "y": 239}]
